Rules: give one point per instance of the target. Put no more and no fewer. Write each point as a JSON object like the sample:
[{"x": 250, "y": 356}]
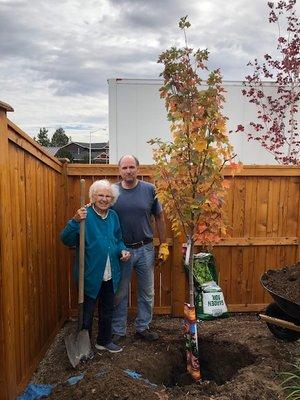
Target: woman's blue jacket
[{"x": 102, "y": 237}]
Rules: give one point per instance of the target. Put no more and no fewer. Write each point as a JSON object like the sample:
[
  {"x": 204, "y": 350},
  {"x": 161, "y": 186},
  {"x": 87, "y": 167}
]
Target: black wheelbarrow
[{"x": 282, "y": 316}]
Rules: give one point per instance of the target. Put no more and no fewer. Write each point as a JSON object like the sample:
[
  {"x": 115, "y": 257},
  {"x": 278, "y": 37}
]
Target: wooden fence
[
  {"x": 38, "y": 194},
  {"x": 263, "y": 211},
  {"x": 33, "y": 273}
]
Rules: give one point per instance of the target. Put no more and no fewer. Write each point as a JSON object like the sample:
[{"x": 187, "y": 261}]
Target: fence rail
[{"x": 38, "y": 194}]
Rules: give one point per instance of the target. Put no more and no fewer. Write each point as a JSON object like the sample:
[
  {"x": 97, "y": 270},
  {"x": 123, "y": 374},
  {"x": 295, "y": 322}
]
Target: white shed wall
[{"x": 137, "y": 114}]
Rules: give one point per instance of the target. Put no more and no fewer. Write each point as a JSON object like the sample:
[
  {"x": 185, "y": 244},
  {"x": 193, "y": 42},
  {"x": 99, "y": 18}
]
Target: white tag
[{"x": 188, "y": 252}]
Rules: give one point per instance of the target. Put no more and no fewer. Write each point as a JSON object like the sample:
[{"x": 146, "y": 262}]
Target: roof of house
[
  {"x": 94, "y": 146},
  {"x": 51, "y": 150}
]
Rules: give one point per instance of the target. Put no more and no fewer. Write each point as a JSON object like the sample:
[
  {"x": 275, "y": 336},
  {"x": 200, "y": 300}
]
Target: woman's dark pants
[{"x": 105, "y": 299}]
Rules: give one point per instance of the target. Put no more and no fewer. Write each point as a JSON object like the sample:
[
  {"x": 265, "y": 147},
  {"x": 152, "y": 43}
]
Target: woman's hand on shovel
[{"x": 80, "y": 214}]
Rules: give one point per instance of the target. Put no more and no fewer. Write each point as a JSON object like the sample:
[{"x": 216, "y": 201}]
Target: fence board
[
  {"x": 7, "y": 339},
  {"x": 17, "y": 257}
]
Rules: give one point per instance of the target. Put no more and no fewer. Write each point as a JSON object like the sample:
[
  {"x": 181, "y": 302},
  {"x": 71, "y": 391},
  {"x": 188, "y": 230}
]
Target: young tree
[
  {"x": 62, "y": 153},
  {"x": 59, "y": 138},
  {"x": 190, "y": 183},
  {"x": 189, "y": 177},
  {"x": 42, "y": 137},
  {"x": 276, "y": 128}
]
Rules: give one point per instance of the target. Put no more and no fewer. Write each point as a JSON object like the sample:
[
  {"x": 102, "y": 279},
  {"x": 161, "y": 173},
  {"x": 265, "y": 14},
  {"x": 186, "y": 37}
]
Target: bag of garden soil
[{"x": 209, "y": 298}]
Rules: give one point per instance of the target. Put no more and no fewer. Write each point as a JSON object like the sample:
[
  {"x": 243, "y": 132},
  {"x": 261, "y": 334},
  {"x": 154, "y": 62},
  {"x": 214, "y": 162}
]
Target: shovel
[
  {"x": 78, "y": 344},
  {"x": 190, "y": 322}
]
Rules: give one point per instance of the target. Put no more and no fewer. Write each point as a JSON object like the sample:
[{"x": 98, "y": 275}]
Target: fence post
[{"x": 7, "y": 297}]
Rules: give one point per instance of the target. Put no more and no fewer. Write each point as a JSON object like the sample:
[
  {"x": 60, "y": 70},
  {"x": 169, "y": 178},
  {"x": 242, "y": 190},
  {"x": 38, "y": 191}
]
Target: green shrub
[{"x": 291, "y": 382}]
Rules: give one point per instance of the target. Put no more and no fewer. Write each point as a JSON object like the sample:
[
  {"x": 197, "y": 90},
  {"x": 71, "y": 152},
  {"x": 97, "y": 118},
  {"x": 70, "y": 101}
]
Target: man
[{"x": 135, "y": 206}]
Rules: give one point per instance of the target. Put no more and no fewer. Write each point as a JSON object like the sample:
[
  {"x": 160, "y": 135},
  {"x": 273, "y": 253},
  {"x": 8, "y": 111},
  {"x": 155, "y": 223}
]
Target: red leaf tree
[{"x": 276, "y": 128}]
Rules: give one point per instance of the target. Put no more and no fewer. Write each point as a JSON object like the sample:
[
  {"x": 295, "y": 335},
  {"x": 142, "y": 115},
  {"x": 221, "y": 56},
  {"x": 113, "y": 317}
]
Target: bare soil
[
  {"x": 285, "y": 282},
  {"x": 239, "y": 358}
]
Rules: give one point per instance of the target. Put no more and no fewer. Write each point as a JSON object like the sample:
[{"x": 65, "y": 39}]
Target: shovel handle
[{"x": 81, "y": 248}]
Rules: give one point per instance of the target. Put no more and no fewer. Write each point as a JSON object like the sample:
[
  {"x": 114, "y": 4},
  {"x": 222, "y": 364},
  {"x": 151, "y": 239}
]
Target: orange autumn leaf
[
  {"x": 226, "y": 184},
  {"x": 202, "y": 227}
]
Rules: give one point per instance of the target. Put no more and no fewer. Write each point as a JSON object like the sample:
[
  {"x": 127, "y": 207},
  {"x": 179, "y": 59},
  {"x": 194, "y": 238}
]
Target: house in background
[{"x": 81, "y": 152}]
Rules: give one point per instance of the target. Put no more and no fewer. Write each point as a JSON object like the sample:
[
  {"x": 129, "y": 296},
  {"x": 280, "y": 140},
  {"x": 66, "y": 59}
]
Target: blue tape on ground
[
  {"x": 74, "y": 379},
  {"x": 35, "y": 391},
  {"x": 136, "y": 375},
  {"x": 132, "y": 374}
]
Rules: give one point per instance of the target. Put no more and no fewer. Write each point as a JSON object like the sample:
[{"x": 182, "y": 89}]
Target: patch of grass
[{"x": 291, "y": 382}]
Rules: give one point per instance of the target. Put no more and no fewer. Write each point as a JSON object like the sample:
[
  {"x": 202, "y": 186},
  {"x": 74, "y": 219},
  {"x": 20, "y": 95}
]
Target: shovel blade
[{"x": 78, "y": 346}]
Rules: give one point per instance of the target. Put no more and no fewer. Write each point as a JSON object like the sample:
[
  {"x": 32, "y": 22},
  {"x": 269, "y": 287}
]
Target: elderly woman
[{"x": 104, "y": 249}]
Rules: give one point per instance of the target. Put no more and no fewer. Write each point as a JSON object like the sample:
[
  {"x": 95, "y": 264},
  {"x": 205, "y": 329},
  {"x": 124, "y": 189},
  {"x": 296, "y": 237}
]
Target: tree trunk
[{"x": 191, "y": 277}]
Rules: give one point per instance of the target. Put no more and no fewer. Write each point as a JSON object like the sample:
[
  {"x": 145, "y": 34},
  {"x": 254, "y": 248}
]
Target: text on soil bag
[{"x": 216, "y": 301}]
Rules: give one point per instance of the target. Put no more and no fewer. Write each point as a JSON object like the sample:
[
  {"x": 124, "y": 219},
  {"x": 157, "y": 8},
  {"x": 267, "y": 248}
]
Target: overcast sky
[{"x": 56, "y": 55}]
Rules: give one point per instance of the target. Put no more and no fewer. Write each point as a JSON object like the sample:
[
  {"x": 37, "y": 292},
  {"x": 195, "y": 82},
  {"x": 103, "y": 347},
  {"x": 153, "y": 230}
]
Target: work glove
[{"x": 163, "y": 252}]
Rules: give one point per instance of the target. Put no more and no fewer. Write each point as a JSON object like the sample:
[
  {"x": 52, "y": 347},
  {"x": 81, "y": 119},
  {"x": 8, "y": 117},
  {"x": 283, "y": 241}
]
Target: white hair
[{"x": 104, "y": 184}]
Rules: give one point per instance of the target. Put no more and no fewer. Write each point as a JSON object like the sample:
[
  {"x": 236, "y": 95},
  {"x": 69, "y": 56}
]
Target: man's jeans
[
  {"x": 142, "y": 260},
  {"x": 105, "y": 299}
]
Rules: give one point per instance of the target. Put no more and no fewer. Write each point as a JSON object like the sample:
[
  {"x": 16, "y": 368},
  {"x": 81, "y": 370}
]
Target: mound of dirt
[
  {"x": 239, "y": 359},
  {"x": 284, "y": 282}
]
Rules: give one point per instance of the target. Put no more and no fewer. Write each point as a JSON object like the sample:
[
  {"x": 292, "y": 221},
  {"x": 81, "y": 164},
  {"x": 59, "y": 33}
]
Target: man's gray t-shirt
[{"x": 134, "y": 208}]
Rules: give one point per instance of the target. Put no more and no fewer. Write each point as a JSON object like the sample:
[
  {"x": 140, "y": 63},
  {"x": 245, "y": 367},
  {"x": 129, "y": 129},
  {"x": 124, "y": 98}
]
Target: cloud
[{"x": 56, "y": 56}]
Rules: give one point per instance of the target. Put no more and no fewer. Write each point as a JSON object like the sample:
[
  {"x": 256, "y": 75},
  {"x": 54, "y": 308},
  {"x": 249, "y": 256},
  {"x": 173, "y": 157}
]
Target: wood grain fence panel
[
  {"x": 282, "y": 209},
  {"x": 48, "y": 223},
  {"x": 41, "y": 190},
  {"x": 30, "y": 146},
  {"x": 238, "y": 285},
  {"x": 53, "y": 245},
  {"x": 251, "y": 204},
  {"x": 292, "y": 207},
  {"x": 262, "y": 207},
  {"x": 32, "y": 184},
  {"x": 238, "y": 207},
  {"x": 273, "y": 204},
  {"x": 248, "y": 267},
  {"x": 3, "y": 373},
  {"x": 44, "y": 226},
  {"x": 256, "y": 212},
  {"x": 23, "y": 275},
  {"x": 50, "y": 245},
  {"x": 228, "y": 207},
  {"x": 7, "y": 339},
  {"x": 17, "y": 257},
  {"x": 30, "y": 213},
  {"x": 260, "y": 267}
]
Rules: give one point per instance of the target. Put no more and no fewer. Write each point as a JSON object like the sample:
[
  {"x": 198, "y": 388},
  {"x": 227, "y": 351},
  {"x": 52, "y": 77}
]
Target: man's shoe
[
  {"x": 118, "y": 339},
  {"x": 111, "y": 347},
  {"x": 147, "y": 334}
]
